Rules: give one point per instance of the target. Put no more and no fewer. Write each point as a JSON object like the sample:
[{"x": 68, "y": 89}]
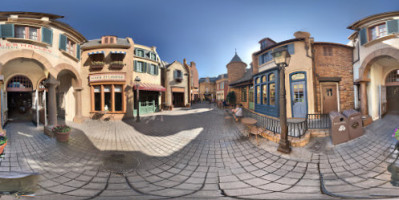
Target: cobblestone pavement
[{"x": 196, "y": 153}]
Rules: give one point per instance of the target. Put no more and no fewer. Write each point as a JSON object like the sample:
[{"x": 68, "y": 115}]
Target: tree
[{"x": 231, "y": 98}]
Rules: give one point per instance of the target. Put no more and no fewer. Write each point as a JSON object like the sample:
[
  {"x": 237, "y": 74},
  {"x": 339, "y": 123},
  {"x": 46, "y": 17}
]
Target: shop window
[
  {"x": 264, "y": 95},
  {"x": 257, "y": 80},
  {"x": 97, "y": 98},
  {"x": 263, "y": 79},
  {"x": 272, "y": 77},
  {"x": 108, "y": 98},
  {"x": 258, "y": 99},
  {"x": 244, "y": 94},
  {"x": 272, "y": 93}
]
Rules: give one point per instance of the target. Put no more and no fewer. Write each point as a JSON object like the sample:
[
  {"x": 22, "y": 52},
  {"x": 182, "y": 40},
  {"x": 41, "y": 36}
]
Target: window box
[
  {"x": 117, "y": 64},
  {"x": 97, "y": 64}
]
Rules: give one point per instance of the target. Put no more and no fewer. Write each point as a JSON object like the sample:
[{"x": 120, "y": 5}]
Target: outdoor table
[{"x": 250, "y": 123}]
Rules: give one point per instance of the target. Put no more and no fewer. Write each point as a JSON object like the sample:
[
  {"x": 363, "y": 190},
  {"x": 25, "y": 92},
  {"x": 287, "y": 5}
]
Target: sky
[{"x": 208, "y": 31}]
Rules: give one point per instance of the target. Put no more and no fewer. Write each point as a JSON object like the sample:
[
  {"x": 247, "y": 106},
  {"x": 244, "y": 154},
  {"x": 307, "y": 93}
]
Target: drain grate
[{"x": 119, "y": 163}]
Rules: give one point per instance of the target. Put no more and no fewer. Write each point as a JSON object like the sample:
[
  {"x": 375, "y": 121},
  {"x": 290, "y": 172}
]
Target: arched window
[
  {"x": 19, "y": 84},
  {"x": 392, "y": 78}
]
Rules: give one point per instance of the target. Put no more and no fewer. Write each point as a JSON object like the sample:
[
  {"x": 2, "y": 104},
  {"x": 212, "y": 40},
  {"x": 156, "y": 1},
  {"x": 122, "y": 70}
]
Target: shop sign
[{"x": 106, "y": 77}]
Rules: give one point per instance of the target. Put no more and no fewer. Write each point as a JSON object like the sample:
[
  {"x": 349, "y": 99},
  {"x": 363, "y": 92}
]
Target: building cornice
[{"x": 356, "y": 25}]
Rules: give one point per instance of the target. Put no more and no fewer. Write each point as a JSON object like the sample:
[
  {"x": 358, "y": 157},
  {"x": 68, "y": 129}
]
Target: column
[
  {"x": 363, "y": 98},
  {"x": 78, "y": 105},
  {"x": 51, "y": 84},
  {"x": 2, "y": 131}
]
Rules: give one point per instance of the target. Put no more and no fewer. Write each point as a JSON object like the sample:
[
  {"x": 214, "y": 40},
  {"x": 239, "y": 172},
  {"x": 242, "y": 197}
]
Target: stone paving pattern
[{"x": 195, "y": 153}]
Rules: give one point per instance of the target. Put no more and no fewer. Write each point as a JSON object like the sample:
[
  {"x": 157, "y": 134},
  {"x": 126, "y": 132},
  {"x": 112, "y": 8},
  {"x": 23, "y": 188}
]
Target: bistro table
[{"x": 250, "y": 124}]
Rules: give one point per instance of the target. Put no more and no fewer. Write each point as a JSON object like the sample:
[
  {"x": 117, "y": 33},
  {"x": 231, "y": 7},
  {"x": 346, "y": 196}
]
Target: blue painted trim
[
  {"x": 305, "y": 88},
  {"x": 267, "y": 109}
]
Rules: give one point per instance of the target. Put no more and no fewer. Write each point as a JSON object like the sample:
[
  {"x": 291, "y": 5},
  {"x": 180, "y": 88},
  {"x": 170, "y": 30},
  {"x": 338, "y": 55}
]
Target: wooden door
[
  {"x": 393, "y": 99},
  {"x": 329, "y": 98}
]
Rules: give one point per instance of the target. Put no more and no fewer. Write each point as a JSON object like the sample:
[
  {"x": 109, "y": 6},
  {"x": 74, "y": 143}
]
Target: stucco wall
[{"x": 171, "y": 82}]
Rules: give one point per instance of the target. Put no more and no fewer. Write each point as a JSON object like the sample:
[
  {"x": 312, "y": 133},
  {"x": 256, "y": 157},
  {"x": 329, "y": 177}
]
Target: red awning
[{"x": 150, "y": 87}]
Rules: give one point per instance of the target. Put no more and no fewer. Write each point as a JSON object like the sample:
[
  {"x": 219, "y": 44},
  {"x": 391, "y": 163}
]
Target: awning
[
  {"x": 96, "y": 52},
  {"x": 118, "y": 52},
  {"x": 150, "y": 87}
]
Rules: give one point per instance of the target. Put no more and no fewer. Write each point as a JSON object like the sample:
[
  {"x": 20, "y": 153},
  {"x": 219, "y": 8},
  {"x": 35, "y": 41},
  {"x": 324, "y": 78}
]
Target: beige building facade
[
  {"x": 40, "y": 61},
  {"x": 207, "y": 88},
  {"x": 376, "y": 64},
  {"x": 177, "y": 84}
]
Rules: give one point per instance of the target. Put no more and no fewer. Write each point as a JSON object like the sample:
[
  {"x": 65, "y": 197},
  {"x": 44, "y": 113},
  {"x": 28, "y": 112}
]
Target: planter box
[{"x": 62, "y": 137}]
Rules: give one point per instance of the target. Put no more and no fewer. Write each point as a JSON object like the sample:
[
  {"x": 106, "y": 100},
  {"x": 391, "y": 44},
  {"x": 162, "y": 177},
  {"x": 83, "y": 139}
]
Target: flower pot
[
  {"x": 2, "y": 147},
  {"x": 62, "y": 136}
]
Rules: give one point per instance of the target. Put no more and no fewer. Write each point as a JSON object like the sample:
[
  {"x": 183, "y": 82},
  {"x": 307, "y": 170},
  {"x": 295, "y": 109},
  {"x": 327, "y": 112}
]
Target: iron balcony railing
[
  {"x": 318, "y": 121},
  {"x": 295, "y": 129}
]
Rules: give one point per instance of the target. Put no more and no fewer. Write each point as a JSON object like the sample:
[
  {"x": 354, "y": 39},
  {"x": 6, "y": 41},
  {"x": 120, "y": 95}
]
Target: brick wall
[
  {"x": 235, "y": 71},
  {"x": 339, "y": 64}
]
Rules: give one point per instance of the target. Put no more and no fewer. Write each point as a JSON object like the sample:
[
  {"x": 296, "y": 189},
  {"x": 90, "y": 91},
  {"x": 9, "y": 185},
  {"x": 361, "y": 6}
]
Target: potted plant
[
  {"x": 62, "y": 132},
  {"x": 3, "y": 143}
]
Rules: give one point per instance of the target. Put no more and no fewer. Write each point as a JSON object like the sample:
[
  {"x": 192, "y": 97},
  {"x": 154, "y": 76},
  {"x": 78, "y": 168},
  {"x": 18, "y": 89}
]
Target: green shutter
[
  {"x": 156, "y": 70},
  {"x": 135, "y": 66},
  {"x": 78, "y": 51},
  {"x": 363, "y": 36},
  {"x": 144, "y": 67},
  {"x": 63, "y": 42},
  {"x": 7, "y": 31},
  {"x": 393, "y": 26},
  {"x": 291, "y": 48},
  {"x": 47, "y": 35}
]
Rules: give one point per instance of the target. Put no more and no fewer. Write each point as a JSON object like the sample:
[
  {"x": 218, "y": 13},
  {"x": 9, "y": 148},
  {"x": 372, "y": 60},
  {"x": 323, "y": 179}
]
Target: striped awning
[
  {"x": 118, "y": 52},
  {"x": 96, "y": 52},
  {"x": 150, "y": 87}
]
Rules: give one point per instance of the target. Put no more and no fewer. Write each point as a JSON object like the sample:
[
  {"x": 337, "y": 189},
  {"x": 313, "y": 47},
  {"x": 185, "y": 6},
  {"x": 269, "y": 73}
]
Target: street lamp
[
  {"x": 137, "y": 80},
  {"x": 282, "y": 59}
]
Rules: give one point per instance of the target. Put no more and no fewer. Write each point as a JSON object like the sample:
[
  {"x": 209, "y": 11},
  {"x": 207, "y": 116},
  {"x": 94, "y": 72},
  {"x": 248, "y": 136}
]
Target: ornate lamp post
[
  {"x": 137, "y": 80},
  {"x": 282, "y": 59}
]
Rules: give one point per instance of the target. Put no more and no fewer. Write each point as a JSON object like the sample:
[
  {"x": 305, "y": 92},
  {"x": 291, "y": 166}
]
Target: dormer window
[
  {"x": 26, "y": 32},
  {"x": 108, "y": 40},
  {"x": 377, "y": 31},
  {"x": 178, "y": 75}
]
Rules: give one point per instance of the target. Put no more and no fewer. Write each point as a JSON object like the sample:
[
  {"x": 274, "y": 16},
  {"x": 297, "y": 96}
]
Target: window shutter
[
  {"x": 7, "y": 30},
  {"x": 392, "y": 26},
  {"x": 135, "y": 66},
  {"x": 63, "y": 42},
  {"x": 156, "y": 70},
  {"x": 291, "y": 49},
  {"x": 175, "y": 74},
  {"x": 47, "y": 35},
  {"x": 144, "y": 69},
  {"x": 78, "y": 51},
  {"x": 260, "y": 59},
  {"x": 363, "y": 36}
]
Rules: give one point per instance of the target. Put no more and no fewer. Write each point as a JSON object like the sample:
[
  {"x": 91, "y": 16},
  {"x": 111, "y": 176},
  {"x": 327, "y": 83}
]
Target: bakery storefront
[{"x": 107, "y": 94}]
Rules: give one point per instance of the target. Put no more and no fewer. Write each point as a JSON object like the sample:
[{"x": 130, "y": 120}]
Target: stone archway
[
  {"x": 364, "y": 69},
  {"x": 69, "y": 98},
  {"x": 372, "y": 75}
]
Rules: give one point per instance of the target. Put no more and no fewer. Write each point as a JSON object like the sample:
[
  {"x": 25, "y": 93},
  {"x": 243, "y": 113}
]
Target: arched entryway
[
  {"x": 372, "y": 75},
  {"x": 392, "y": 92},
  {"x": 19, "y": 98},
  {"x": 66, "y": 103}
]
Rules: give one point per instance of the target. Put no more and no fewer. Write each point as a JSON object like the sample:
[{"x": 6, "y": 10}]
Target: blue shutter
[
  {"x": 78, "y": 51},
  {"x": 393, "y": 26},
  {"x": 291, "y": 48},
  {"x": 47, "y": 35},
  {"x": 363, "y": 36},
  {"x": 7, "y": 31},
  {"x": 63, "y": 42}
]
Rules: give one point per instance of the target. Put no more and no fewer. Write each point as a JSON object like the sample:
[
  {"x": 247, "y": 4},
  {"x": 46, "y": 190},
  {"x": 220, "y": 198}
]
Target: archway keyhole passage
[
  {"x": 19, "y": 98},
  {"x": 66, "y": 101}
]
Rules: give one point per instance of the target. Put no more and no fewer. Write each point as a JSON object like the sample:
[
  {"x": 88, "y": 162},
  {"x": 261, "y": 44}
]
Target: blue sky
[{"x": 208, "y": 31}]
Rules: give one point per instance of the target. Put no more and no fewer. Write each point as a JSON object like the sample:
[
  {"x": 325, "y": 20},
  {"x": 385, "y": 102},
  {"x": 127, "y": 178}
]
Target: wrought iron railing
[
  {"x": 318, "y": 121},
  {"x": 295, "y": 129}
]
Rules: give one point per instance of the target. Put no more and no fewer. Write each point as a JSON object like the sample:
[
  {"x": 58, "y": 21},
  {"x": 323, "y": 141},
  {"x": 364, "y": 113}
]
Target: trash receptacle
[
  {"x": 354, "y": 123},
  {"x": 339, "y": 128}
]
